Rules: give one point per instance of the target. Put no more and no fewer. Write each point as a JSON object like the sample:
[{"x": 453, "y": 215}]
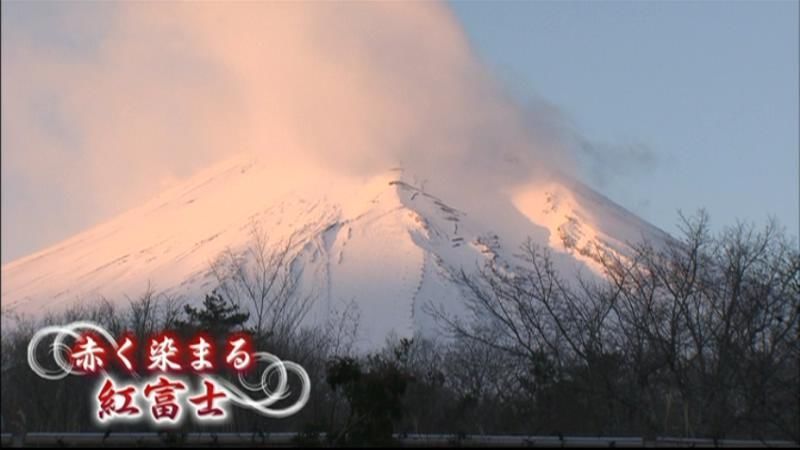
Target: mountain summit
[{"x": 385, "y": 243}]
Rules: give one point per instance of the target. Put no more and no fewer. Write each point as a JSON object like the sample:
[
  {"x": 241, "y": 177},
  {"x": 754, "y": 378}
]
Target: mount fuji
[{"x": 384, "y": 242}]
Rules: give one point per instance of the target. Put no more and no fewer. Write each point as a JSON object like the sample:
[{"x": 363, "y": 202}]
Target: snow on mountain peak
[{"x": 383, "y": 242}]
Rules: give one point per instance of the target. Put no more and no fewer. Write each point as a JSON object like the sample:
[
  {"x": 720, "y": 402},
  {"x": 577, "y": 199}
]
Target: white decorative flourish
[
  {"x": 59, "y": 349},
  {"x": 280, "y": 392},
  {"x": 239, "y": 395}
]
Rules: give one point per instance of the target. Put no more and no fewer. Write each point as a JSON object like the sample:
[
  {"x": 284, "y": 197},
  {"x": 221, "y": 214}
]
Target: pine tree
[{"x": 218, "y": 316}]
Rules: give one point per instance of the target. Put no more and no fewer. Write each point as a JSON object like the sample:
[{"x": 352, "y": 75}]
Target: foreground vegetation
[{"x": 696, "y": 337}]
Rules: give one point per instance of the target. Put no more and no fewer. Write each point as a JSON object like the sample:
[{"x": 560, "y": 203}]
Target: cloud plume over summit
[{"x": 151, "y": 92}]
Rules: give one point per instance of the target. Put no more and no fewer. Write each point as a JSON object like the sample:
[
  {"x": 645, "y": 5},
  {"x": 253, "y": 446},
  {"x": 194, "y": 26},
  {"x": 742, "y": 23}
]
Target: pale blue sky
[
  {"x": 687, "y": 104},
  {"x": 709, "y": 89}
]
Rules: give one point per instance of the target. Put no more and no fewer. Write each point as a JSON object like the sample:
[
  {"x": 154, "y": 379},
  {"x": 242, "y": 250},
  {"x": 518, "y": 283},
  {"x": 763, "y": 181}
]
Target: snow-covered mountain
[{"x": 384, "y": 242}]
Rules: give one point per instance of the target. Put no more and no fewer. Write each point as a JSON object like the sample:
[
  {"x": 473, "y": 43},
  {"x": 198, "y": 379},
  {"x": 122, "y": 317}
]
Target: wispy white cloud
[{"x": 166, "y": 88}]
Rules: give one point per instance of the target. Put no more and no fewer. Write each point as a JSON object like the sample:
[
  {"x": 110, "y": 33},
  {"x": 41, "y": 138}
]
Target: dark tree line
[{"x": 697, "y": 337}]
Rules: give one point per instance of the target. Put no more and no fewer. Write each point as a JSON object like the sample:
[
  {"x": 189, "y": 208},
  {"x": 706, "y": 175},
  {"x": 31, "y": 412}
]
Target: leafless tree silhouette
[{"x": 265, "y": 278}]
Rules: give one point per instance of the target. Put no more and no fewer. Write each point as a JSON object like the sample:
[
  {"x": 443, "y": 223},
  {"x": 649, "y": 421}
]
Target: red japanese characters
[
  {"x": 165, "y": 397},
  {"x": 117, "y": 401},
  {"x": 164, "y": 353},
  {"x": 162, "y": 377}
]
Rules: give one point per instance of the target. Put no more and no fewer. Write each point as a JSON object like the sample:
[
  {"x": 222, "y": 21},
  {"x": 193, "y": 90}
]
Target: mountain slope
[{"x": 382, "y": 242}]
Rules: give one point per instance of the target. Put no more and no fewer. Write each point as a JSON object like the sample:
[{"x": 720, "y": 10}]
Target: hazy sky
[
  {"x": 706, "y": 92},
  {"x": 673, "y": 105}
]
